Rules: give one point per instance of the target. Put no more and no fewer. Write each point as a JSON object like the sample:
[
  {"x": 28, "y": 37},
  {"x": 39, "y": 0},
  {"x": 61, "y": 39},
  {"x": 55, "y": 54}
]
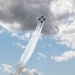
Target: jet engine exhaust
[{"x": 29, "y": 49}]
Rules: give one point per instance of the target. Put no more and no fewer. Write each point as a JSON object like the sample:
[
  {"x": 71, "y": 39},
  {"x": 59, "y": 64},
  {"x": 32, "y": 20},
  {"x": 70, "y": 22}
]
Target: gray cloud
[
  {"x": 22, "y": 15},
  {"x": 26, "y": 14}
]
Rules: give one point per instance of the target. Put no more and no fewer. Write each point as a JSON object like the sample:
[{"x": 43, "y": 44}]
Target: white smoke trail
[{"x": 29, "y": 49}]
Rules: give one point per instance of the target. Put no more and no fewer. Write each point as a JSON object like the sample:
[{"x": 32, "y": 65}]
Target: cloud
[
  {"x": 20, "y": 45},
  {"x": 8, "y": 69},
  {"x": 27, "y": 35},
  {"x": 30, "y": 72},
  {"x": 61, "y": 8},
  {"x": 22, "y": 15},
  {"x": 64, "y": 57},
  {"x": 1, "y": 31},
  {"x": 66, "y": 23},
  {"x": 45, "y": 44},
  {"x": 41, "y": 55},
  {"x": 23, "y": 37},
  {"x": 66, "y": 35}
]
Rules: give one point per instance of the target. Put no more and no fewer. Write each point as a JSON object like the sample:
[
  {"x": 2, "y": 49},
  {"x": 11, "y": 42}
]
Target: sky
[{"x": 55, "y": 51}]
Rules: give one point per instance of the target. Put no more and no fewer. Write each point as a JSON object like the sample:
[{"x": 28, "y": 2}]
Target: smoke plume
[{"x": 29, "y": 49}]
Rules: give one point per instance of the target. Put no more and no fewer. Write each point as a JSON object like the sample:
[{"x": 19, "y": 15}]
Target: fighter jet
[
  {"x": 41, "y": 16},
  {"x": 41, "y": 19}
]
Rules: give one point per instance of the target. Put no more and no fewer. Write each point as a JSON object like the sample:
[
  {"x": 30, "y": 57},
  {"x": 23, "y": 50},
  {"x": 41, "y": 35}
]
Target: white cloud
[
  {"x": 23, "y": 37},
  {"x": 1, "y": 31},
  {"x": 45, "y": 44},
  {"x": 27, "y": 35},
  {"x": 20, "y": 45},
  {"x": 41, "y": 55},
  {"x": 61, "y": 7},
  {"x": 14, "y": 34},
  {"x": 64, "y": 11},
  {"x": 10, "y": 27},
  {"x": 23, "y": 47},
  {"x": 6, "y": 68},
  {"x": 66, "y": 35},
  {"x": 64, "y": 57},
  {"x": 30, "y": 72}
]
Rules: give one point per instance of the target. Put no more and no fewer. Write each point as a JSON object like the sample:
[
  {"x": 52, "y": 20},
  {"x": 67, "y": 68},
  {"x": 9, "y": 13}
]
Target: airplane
[
  {"x": 41, "y": 16},
  {"x": 44, "y": 19},
  {"x": 41, "y": 19}
]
